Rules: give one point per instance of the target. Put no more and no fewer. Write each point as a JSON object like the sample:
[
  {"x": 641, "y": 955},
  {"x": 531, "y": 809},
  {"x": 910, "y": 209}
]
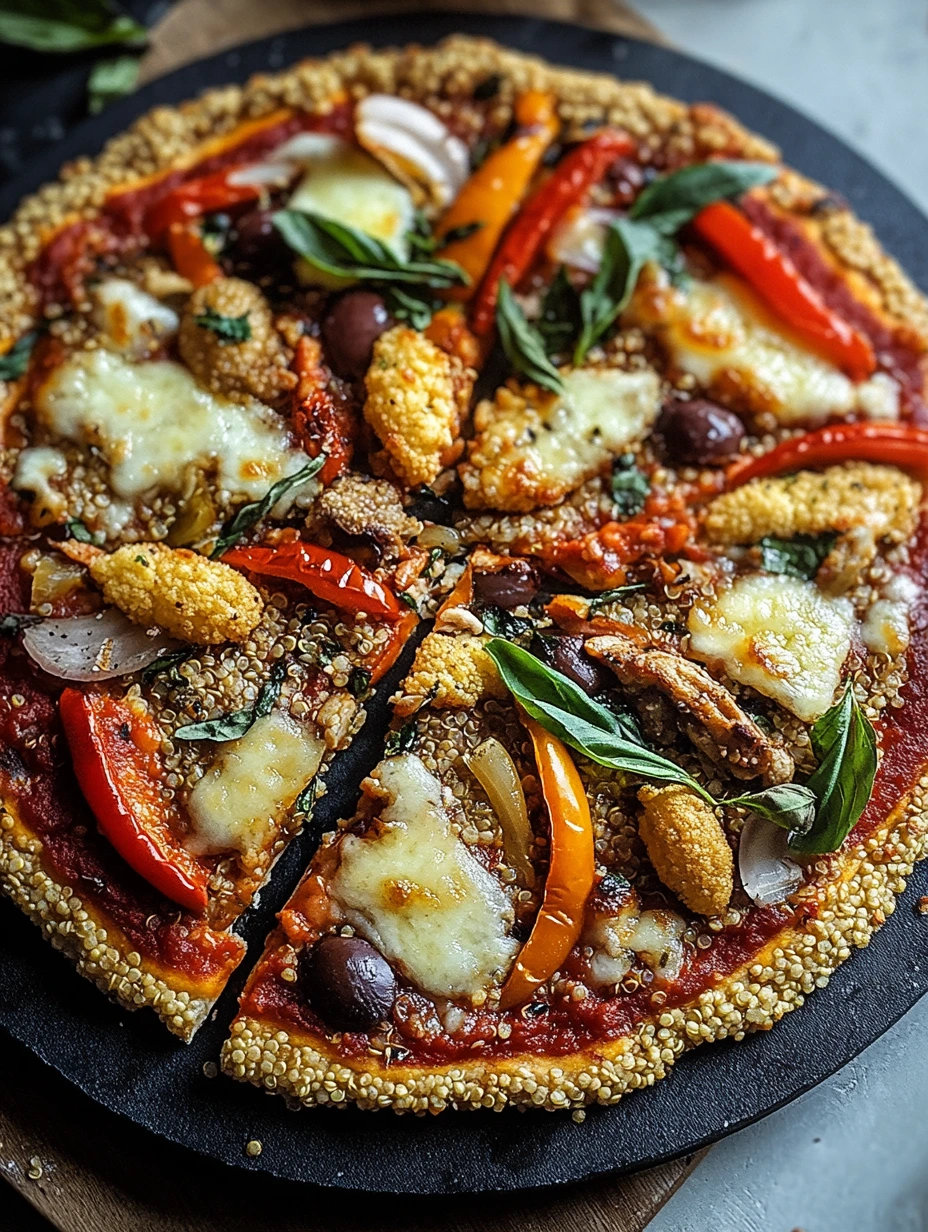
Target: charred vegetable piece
[
  {"x": 515, "y": 585},
  {"x": 565, "y": 653},
  {"x": 349, "y": 984}
]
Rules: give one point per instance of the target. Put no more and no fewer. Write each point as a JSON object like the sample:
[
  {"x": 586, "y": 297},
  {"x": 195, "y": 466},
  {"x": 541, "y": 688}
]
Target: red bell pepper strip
[
  {"x": 323, "y": 422},
  {"x": 328, "y": 575},
  {"x": 571, "y": 870},
  {"x": 779, "y": 283},
  {"x": 570, "y": 182},
  {"x": 192, "y": 200},
  {"x": 114, "y": 754},
  {"x": 892, "y": 444},
  {"x": 190, "y": 256}
]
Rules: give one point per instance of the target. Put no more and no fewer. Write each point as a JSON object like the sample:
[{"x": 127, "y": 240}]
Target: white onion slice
[
  {"x": 95, "y": 647},
  {"x": 413, "y": 144},
  {"x": 282, "y": 163},
  {"x": 767, "y": 873},
  {"x": 579, "y": 239},
  {"x": 495, "y": 771}
]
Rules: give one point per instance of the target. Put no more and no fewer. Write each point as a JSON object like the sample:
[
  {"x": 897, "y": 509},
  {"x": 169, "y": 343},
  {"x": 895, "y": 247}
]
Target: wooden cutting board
[{"x": 86, "y": 1170}]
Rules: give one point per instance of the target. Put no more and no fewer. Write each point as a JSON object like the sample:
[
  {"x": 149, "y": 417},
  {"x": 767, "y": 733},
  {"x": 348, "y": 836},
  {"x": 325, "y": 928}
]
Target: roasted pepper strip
[
  {"x": 891, "y": 444},
  {"x": 776, "y": 280},
  {"x": 570, "y": 873},
  {"x": 113, "y": 750},
  {"x": 492, "y": 194},
  {"x": 570, "y": 182},
  {"x": 192, "y": 200},
  {"x": 190, "y": 256},
  {"x": 331, "y": 577},
  {"x": 322, "y": 424}
]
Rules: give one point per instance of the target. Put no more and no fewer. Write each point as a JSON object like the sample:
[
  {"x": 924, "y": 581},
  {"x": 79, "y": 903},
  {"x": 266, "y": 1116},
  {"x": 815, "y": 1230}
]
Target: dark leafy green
[
  {"x": 799, "y": 557},
  {"x": 111, "y": 79},
  {"x": 75, "y": 529},
  {"x": 14, "y": 363},
  {"x": 227, "y": 329},
  {"x": 559, "y": 322},
  {"x": 414, "y": 305},
  {"x": 168, "y": 663},
  {"x": 674, "y": 199},
  {"x": 67, "y": 25},
  {"x": 789, "y": 805},
  {"x": 359, "y": 681},
  {"x": 345, "y": 252},
  {"x": 523, "y": 345},
  {"x": 629, "y": 485},
  {"x": 233, "y": 726},
  {"x": 403, "y": 739},
  {"x": 500, "y": 623},
  {"x": 306, "y": 800},
  {"x": 251, "y": 514},
  {"x": 844, "y": 743},
  {"x": 610, "y": 596}
]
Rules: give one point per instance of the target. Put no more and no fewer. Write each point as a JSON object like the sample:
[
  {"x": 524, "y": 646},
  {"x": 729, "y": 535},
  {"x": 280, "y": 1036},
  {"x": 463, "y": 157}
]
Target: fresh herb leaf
[
  {"x": 844, "y": 742},
  {"x": 226, "y": 329},
  {"x": 419, "y": 236},
  {"x": 523, "y": 345},
  {"x": 414, "y": 305},
  {"x": 14, "y": 363},
  {"x": 168, "y": 663},
  {"x": 249, "y": 515},
  {"x": 799, "y": 557},
  {"x": 403, "y": 739},
  {"x": 234, "y": 726},
  {"x": 306, "y": 800},
  {"x": 672, "y": 200},
  {"x": 559, "y": 322},
  {"x": 789, "y": 805},
  {"x": 345, "y": 252},
  {"x": 500, "y": 623},
  {"x": 405, "y": 597},
  {"x": 630, "y": 485},
  {"x": 359, "y": 681},
  {"x": 610, "y": 596},
  {"x": 67, "y": 25},
  {"x": 110, "y": 80},
  {"x": 214, "y": 231},
  {"x": 76, "y": 529},
  {"x": 628, "y": 720},
  {"x": 12, "y": 622}
]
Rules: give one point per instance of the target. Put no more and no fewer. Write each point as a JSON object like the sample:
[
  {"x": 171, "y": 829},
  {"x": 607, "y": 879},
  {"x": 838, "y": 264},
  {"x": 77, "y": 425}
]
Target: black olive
[
  {"x": 564, "y": 652},
  {"x": 353, "y": 323},
  {"x": 699, "y": 433},
  {"x": 256, "y": 247},
  {"x": 348, "y": 983},
  {"x": 514, "y": 585}
]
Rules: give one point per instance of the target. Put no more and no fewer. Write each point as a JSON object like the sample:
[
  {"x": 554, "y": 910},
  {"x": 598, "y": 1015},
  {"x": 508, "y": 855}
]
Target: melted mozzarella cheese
[
  {"x": 35, "y": 468},
  {"x": 779, "y": 635},
  {"x": 152, "y": 422},
  {"x": 414, "y": 889},
  {"x": 720, "y": 333},
  {"x": 132, "y": 321},
  {"x": 238, "y": 803}
]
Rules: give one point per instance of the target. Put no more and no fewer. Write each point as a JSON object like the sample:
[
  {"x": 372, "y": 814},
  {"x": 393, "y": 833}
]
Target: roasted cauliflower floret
[
  {"x": 882, "y": 498},
  {"x": 359, "y": 505},
  {"x": 453, "y": 672},
  {"x": 533, "y": 447},
  {"x": 687, "y": 846},
  {"x": 417, "y": 397},
  {"x": 255, "y": 366},
  {"x": 186, "y": 594}
]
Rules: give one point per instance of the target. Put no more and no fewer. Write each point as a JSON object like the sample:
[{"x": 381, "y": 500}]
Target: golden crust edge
[{"x": 851, "y": 906}]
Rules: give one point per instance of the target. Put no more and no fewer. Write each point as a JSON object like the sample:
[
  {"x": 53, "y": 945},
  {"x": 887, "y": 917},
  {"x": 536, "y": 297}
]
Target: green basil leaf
[
  {"x": 799, "y": 557},
  {"x": 345, "y": 252},
  {"x": 226, "y": 329},
  {"x": 402, "y": 739},
  {"x": 249, "y": 515},
  {"x": 844, "y": 743},
  {"x": 110, "y": 80},
  {"x": 67, "y": 25},
  {"x": 500, "y": 623},
  {"x": 629, "y": 484},
  {"x": 671, "y": 201},
  {"x": 610, "y": 596},
  {"x": 559, "y": 322},
  {"x": 524, "y": 347},
  {"x": 168, "y": 663},
  {"x": 14, "y": 363},
  {"x": 234, "y": 726},
  {"x": 415, "y": 305},
  {"x": 789, "y": 805},
  {"x": 359, "y": 681}
]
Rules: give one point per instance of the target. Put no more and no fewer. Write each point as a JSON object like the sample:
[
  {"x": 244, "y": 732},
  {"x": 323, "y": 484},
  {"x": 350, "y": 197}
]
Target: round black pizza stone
[{"x": 129, "y": 1063}]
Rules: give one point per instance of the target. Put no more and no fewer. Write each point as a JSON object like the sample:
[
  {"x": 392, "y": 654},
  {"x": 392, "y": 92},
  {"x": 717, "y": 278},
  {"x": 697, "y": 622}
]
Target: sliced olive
[
  {"x": 352, "y": 325},
  {"x": 512, "y": 586},
  {"x": 348, "y": 983},
  {"x": 564, "y": 652},
  {"x": 699, "y": 433}
]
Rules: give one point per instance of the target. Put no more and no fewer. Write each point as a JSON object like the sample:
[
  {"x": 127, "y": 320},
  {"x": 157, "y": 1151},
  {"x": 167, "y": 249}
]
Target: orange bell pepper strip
[
  {"x": 331, "y": 577},
  {"x": 492, "y": 194},
  {"x": 779, "y": 283},
  {"x": 891, "y": 444},
  {"x": 190, "y": 255},
  {"x": 571, "y": 871},
  {"x": 323, "y": 423},
  {"x": 114, "y": 751},
  {"x": 569, "y": 184}
]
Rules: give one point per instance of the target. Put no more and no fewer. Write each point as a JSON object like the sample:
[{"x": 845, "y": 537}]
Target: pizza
[{"x": 619, "y": 418}]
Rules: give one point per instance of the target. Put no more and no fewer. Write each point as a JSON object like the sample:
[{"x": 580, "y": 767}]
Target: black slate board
[{"x": 128, "y": 1063}]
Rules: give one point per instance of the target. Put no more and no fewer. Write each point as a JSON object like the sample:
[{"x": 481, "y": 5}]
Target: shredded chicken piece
[
  {"x": 710, "y": 716},
  {"x": 687, "y": 846}
]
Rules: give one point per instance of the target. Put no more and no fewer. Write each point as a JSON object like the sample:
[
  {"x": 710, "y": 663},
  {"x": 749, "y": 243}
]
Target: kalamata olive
[
  {"x": 255, "y": 246},
  {"x": 699, "y": 433},
  {"x": 564, "y": 652},
  {"x": 349, "y": 984},
  {"x": 515, "y": 584},
  {"x": 352, "y": 325}
]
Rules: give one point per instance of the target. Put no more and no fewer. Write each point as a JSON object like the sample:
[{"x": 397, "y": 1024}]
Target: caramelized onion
[
  {"x": 767, "y": 873},
  {"x": 96, "y": 647},
  {"x": 496, "y": 773}
]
